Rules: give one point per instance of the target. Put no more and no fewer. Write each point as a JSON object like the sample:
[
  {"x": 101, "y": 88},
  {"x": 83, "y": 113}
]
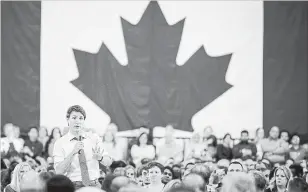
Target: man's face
[
  {"x": 76, "y": 122},
  {"x": 274, "y": 132},
  {"x": 33, "y": 134},
  {"x": 155, "y": 174},
  {"x": 295, "y": 140},
  {"x": 244, "y": 137},
  {"x": 284, "y": 136},
  {"x": 235, "y": 167}
]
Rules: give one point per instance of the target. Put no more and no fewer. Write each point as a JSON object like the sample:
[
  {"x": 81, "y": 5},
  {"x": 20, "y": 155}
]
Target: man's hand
[
  {"x": 28, "y": 151},
  {"x": 79, "y": 145},
  {"x": 97, "y": 153}
]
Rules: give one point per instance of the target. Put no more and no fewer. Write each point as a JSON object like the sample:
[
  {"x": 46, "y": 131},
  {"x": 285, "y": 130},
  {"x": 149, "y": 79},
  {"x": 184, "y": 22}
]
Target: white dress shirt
[{"x": 65, "y": 145}]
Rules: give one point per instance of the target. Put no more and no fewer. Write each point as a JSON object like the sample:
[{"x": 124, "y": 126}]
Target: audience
[{"x": 203, "y": 166}]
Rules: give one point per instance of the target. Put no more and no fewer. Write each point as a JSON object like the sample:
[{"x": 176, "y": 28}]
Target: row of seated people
[{"x": 202, "y": 147}]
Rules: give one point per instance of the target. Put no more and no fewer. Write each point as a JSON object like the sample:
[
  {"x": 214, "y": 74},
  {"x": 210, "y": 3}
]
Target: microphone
[{"x": 79, "y": 139}]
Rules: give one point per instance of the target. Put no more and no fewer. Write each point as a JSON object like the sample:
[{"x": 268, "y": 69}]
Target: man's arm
[
  {"x": 62, "y": 164},
  {"x": 283, "y": 148}
]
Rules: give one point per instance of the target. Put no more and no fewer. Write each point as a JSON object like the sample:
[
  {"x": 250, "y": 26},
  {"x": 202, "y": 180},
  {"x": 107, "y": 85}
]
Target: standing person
[{"x": 78, "y": 153}]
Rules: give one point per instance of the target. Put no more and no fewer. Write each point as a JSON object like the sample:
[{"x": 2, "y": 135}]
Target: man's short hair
[
  {"x": 245, "y": 131},
  {"x": 260, "y": 180},
  {"x": 297, "y": 170},
  {"x": 60, "y": 183},
  {"x": 156, "y": 164},
  {"x": 76, "y": 108},
  {"x": 203, "y": 170}
]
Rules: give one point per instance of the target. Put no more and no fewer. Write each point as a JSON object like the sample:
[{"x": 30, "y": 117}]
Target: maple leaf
[{"x": 151, "y": 90}]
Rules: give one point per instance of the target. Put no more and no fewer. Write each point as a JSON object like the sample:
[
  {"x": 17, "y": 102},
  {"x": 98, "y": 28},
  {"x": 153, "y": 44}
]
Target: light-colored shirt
[
  {"x": 138, "y": 153},
  {"x": 17, "y": 142},
  {"x": 65, "y": 145}
]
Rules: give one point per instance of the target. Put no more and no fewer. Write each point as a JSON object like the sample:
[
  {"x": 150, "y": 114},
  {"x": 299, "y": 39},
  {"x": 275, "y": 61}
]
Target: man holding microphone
[{"x": 78, "y": 153}]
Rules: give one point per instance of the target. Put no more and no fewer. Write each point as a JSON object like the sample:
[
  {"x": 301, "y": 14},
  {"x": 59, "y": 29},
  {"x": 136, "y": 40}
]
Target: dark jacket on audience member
[
  {"x": 224, "y": 152},
  {"x": 237, "y": 150}
]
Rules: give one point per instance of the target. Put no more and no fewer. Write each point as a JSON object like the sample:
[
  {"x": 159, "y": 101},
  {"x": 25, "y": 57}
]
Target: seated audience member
[
  {"x": 155, "y": 171},
  {"x": 11, "y": 144},
  {"x": 194, "y": 181},
  {"x": 55, "y": 134},
  {"x": 297, "y": 185},
  {"x": 274, "y": 148},
  {"x": 285, "y": 136},
  {"x": 235, "y": 166},
  {"x": 297, "y": 170},
  {"x": 168, "y": 175},
  {"x": 224, "y": 150},
  {"x": 244, "y": 150},
  {"x": 110, "y": 143},
  {"x": 33, "y": 148},
  {"x": 238, "y": 182},
  {"x": 17, "y": 176},
  {"x": 143, "y": 149},
  {"x": 209, "y": 154},
  {"x": 43, "y": 135},
  {"x": 260, "y": 180},
  {"x": 169, "y": 147},
  {"x": 59, "y": 183},
  {"x": 296, "y": 151},
  {"x": 194, "y": 148},
  {"x": 259, "y": 136}
]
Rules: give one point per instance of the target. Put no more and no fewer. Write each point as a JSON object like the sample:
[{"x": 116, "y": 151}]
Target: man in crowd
[
  {"x": 78, "y": 153},
  {"x": 274, "y": 149},
  {"x": 244, "y": 150}
]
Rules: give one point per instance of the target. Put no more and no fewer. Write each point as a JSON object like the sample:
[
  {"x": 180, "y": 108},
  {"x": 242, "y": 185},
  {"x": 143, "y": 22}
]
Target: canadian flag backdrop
[{"x": 230, "y": 65}]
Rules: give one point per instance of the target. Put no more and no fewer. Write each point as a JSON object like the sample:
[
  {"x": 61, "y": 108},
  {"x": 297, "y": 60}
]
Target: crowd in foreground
[{"x": 49, "y": 163}]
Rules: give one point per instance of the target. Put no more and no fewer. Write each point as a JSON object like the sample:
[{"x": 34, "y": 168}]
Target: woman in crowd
[
  {"x": 195, "y": 147},
  {"x": 155, "y": 173},
  {"x": 259, "y": 136},
  {"x": 110, "y": 144},
  {"x": 209, "y": 154},
  {"x": 168, "y": 175},
  {"x": 43, "y": 135},
  {"x": 17, "y": 176},
  {"x": 224, "y": 150},
  {"x": 279, "y": 183},
  {"x": 55, "y": 134},
  {"x": 143, "y": 149},
  {"x": 130, "y": 172}
]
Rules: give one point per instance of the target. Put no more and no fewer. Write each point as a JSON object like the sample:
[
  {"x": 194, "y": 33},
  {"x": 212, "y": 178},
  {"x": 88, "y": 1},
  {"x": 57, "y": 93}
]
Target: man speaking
[{"x": 78, "y": 153}]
